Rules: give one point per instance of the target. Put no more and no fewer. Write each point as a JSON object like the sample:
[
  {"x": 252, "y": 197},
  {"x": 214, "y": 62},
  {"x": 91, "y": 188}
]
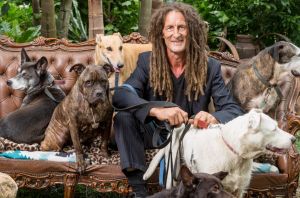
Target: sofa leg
[{"x": 70, "y": 181}]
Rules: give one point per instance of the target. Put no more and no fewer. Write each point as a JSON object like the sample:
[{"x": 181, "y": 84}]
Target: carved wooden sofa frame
[{"x": 108, "y": 177}]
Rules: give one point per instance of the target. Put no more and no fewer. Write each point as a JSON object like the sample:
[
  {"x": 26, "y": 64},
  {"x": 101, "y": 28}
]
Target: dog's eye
[
  {"x": 120, "y": 48},
  {"x": 109, "y": 48},
  {"x": 88, "y": 83},
  {"x": 103, "y": 81},
  {"x": 25, "y": 75},
  {"x": 215, "y": 188}
]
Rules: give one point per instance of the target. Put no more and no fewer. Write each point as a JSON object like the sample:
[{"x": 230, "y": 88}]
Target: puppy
[
  {"x": 229, "y": 147},
  {"x": 28, "y": 123},
  {"x": 85, "y": 113},
  {"x": 110, "y": 50},
  {"x": 200, "y": 185},
  {"x": 270, "y": 65}
]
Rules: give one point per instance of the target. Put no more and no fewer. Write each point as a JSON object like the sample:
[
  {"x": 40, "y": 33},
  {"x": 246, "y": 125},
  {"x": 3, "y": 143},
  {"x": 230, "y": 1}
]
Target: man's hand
[
  {"x": 205, "y": 117},
  {"x": 174, "y": 115}
]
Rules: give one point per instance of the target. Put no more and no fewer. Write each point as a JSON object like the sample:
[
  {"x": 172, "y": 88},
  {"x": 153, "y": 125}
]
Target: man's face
[{"x": 175, "y": 32}]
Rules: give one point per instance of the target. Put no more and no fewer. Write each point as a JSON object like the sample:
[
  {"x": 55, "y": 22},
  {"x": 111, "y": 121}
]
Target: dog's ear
[
  {"x": 221, "y": 175},
  {"x": 108, "y": 68},
  {"x": 99, "y": 38},
  {"x": 78, "y": 68},
  {"x": 24, "y": 56},
  {"x": 187, "y": 176},
  {"x": 278, "y": 51},
  {"x": 41, "y": 65},
  {"x": 119, "y": 35},
  {"x": 254, "y": 118}
]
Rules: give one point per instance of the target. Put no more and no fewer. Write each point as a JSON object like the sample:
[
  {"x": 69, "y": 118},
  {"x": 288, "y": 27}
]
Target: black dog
[
  {"x": 28, "y": 123},
  {"x": 200, "y": 185}
]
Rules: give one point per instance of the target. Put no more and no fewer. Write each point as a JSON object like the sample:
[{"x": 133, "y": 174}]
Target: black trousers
[{"x": 132, "y": 138}]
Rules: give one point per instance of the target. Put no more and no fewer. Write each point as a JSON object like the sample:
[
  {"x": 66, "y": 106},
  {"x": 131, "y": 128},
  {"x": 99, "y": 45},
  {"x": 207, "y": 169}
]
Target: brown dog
[
  {"x": 254, "y": 85},
  {"x": 83, "y": 114},
  {"x": 200, "y": 185}
]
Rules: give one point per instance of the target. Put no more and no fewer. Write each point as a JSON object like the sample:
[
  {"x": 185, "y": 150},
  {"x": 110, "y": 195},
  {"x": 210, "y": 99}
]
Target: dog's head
[
  {"x": 260, "y": 133},
  {"x": 109, "y": 51},
  {"x": 202, "y": 185},
  {"x": 30, "y": 74},
  {"x": 287, "y": 55},
  {"x": 92, "y": 83}
]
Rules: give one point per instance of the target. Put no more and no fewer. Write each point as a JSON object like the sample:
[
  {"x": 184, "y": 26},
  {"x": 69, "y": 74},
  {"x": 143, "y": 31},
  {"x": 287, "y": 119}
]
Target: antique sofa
[{"x": 105, "y": 175}]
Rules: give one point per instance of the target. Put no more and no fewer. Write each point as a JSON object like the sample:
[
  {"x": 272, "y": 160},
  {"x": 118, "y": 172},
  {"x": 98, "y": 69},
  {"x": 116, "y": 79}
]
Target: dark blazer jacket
[{"x": 141, "y": 99}]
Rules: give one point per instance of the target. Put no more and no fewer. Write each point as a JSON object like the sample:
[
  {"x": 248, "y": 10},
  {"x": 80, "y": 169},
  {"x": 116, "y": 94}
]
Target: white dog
[{"x": 229, "y": 147}]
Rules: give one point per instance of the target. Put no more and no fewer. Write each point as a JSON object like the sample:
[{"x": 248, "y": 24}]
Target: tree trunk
[
  {"x": 145, "y": 17},
  {"x": 64, "y": 18},
  {"x": 48, "y": 19},
  {"x": 36, "y": 10},
  {"x": 96, "y": 24}
]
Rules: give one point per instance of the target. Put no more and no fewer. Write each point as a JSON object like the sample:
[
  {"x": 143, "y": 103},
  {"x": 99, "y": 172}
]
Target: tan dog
[
  {"x": 110, "y": 50},
  {"x": 83, "y": 114}
]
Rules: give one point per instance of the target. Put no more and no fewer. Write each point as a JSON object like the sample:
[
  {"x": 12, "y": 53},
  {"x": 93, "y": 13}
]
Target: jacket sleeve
[
  {"x": 131, "y": 96},
  {"x": 225, "y": 105}
]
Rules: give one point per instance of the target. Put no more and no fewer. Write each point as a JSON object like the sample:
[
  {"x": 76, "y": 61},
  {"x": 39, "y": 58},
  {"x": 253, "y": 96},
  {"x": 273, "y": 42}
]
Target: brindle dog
[
  {"x": 85, "y": 113},
  {"x": 200, "y": 185},
  {"x": 255, "y": 84}
]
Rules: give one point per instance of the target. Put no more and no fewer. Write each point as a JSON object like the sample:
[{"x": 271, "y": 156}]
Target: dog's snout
[
  {"x": 120, "y": 65},
  {"x": 293, "y": 139},
  {"x": 9, "y": 82},
  {"x": 99, "y": 94}
]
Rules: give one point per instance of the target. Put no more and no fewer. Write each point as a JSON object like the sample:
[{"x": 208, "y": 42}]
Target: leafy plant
[
  {"x": 16, "y": 22},
  {"x": 120, "y": 16},
  {"x": 255, "y": 17},
  {"x": 77, "y": 29}
]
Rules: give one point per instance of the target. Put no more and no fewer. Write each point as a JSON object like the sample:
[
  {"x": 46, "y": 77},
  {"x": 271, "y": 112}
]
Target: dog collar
[
  {"x": 228, "y": 145},
  {"x": 266, "y": 83}
]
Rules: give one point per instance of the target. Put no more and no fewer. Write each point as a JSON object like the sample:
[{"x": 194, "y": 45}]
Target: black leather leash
[
  {"x": 169, "y": 140},
  {"x": 267, "y": 83}
]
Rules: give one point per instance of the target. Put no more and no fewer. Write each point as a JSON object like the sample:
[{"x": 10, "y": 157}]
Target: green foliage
[
  {"x": 77, "y": 29},
  {"x": 16, "y": 21},
  {"x": 81, "y": 191},
  {"x": 255, "y": 17},
  {"x": 120, "y": 16}
]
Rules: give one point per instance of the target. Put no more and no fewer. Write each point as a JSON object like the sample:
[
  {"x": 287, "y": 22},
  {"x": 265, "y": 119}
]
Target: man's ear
[
  {"x": 221, "y": 175},
  {"x": 187, "y": 176},
  {"x": 42, "y": 65},
  {"x": 254, "y": 118},
  {"x": 24, "y": 56},
  {"x": 78, "y": 68},
  {"x": 99, "y": 38}
]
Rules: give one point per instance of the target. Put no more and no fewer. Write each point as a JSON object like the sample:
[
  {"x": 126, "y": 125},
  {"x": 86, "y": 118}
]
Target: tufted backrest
[{"x": 60, "y": 55}]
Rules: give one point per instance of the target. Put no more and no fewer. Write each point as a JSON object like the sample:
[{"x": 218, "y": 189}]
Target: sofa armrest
[
  {"x": 293, "y": 156},
  {"x": 289, "y": 120}
]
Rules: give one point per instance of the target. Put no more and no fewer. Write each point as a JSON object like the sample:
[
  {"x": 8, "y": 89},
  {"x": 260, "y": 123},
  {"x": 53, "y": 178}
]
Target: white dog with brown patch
[
  {"x": 229, "y": 147},
  {"x": 110, "y": 50}
]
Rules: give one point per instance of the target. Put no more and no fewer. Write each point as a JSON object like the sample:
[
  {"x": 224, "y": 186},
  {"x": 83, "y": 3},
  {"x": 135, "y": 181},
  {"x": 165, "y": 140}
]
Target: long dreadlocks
[{"x": 196, "y": 55}]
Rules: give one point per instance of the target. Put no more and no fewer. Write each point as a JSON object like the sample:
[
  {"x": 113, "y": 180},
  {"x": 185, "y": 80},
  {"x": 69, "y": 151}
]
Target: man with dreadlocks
[{"x": 173, "y": 82}]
